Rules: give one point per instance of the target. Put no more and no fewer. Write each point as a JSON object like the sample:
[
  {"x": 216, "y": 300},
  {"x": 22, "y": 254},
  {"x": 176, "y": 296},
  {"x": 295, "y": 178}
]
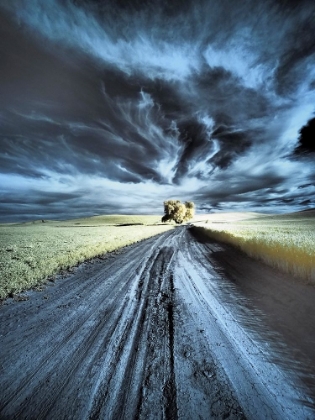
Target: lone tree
[{"x": 177, "y": 211}]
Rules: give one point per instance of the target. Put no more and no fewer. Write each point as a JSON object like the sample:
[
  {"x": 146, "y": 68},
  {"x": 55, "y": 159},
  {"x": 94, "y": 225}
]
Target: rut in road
[
  {"x": 142, "y": 335},
  {"x": 143, "y": 348}
]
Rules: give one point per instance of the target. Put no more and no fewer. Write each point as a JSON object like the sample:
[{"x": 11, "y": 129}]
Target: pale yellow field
[
  {"x": 31, "y": 252},
  {"x": 286, "y": 242}
]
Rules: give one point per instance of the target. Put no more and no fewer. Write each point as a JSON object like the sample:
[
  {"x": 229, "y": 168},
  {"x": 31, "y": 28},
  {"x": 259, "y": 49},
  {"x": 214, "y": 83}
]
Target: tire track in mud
[
  {"x": 23, "y": 390},
  {"x": 126, "y": 358},
  {"x": 130, "y": 337},
  {"x": 159, "y": 388},
  {"x": 170, "y": 386}
]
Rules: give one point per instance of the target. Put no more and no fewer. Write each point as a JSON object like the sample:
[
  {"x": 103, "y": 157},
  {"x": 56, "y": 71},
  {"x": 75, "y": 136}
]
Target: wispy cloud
[{"x": 109, "y": 106}]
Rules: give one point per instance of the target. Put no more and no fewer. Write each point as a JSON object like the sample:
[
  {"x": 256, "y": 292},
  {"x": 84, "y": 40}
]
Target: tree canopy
[
  {"x": 175, "y": 210},
  {"x": 307, "y": 138}
]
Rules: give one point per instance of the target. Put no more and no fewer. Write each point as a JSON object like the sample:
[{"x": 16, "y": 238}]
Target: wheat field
[
  {"x": 286, "y": 242},
  {"x": 32, "y": 252}
]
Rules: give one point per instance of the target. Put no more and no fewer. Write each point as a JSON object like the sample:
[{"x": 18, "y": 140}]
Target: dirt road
[{"x": 168, "y": 328}]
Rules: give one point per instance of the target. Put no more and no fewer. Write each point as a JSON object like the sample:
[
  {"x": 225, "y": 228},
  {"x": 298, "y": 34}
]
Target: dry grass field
[
  {"x": 286, "y": 241},
  {"x": 32, "y": 252}
]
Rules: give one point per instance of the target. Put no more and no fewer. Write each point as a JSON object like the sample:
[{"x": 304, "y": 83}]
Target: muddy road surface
[{"x": 175, "y": 327}]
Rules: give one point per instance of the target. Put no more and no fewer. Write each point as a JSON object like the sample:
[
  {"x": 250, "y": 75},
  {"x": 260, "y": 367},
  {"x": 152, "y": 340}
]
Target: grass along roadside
[
  {"x": 31, "y": 252},
  {"x": 286, "y": 242}
]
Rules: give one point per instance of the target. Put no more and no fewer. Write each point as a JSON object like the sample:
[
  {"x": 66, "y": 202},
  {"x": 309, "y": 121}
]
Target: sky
[{"x": 115, "y": 106}]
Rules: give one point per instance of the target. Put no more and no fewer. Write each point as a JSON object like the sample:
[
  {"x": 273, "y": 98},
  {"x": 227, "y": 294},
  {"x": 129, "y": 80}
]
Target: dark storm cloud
[
  {"x": 307, "y": 138},
  {"x": 110, "y": 104}
]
